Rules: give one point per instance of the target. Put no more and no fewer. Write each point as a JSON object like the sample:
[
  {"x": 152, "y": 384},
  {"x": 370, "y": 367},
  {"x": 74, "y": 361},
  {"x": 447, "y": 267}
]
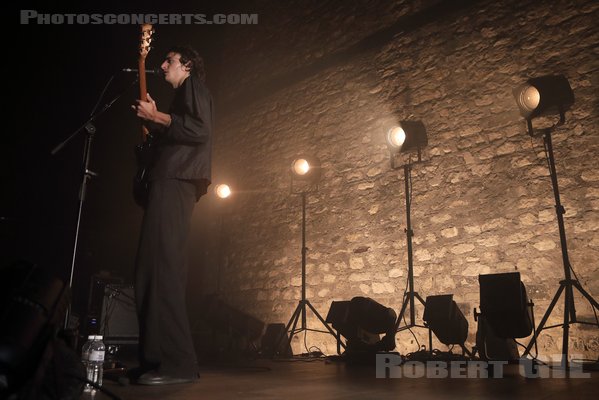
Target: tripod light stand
[
  {"x": 223, "y": 192},
  {"x": 550, "y": 95},
  {"x": 408, "y": 136},
  {"x": 307, "y": 170}
]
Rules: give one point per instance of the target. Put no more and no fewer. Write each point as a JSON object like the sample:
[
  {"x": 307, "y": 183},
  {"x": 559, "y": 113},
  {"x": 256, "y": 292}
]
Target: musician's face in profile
[{"x": 174, "y": 72}]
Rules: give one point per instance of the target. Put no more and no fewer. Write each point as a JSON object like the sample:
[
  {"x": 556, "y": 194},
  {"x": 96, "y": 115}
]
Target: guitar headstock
[{"x": 145, "y": 40}]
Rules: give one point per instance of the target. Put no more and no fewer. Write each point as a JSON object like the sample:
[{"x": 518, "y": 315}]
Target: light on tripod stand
[
  {"x": 300, "y": 167},
  {"x": 222, "y": 190},
  {"x": 548, "y": 95},
  {"x": 306, "y": 169},
  {"x": 396, "y": 137},
  {"x": 407, "y": 135},
  {"x": 545, "y": 95}
]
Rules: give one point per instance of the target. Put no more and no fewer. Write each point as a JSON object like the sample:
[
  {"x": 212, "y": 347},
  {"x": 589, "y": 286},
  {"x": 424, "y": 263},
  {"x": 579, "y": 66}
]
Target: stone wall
[{"x": 326, "y": 77}]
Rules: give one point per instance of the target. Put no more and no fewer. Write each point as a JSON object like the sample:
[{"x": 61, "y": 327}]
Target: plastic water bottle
[
  {"x": 85, "y": 351},
  {"x": 95, "y": 366}
]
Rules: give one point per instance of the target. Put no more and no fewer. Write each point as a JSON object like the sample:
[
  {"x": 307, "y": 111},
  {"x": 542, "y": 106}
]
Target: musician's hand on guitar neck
[{"x": 148, "y": 111}]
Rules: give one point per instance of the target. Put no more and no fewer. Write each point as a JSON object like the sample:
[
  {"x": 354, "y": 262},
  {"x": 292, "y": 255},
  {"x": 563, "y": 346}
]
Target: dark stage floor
[{"x": 325, "y": 379}]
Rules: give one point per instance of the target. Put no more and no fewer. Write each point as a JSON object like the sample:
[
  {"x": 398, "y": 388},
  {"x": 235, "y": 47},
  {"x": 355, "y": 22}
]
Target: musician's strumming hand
[{"x": 148, "y": 111}]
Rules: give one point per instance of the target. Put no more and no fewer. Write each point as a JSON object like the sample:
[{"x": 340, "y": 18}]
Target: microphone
[{"x": 156, "y": 71}]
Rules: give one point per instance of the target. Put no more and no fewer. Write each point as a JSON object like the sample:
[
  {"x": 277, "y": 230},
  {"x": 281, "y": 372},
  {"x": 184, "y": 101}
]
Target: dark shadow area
[{"x": 373, "y": 42}]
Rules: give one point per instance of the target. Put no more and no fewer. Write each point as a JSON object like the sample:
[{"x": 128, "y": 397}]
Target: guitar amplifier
[{"x": 118, "y": 323}]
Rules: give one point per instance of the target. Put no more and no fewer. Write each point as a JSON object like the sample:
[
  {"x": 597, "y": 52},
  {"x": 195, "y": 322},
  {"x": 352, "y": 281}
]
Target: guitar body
[{"x": 144, "y": 151}]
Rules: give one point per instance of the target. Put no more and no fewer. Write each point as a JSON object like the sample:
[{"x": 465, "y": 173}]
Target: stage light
[
  {"x": 407, "y": 135},
  {"x": 401, "y": 138},
  {"x": 544, "y": 95},
  {"x": 505, "y": 315},
  {"x": 361, "y": 321},
  {"x": 396, "y": 137},
  {"x": 445, "y": 319},
  {"x": 504, "y": 305},
  {"x": 529, "y": 99},
  {"x": 540, "y": 96},
  {"x": 222, "y": 190},
  {"x": 301, "y": 167},
  {"x": 306, "y": 168}
]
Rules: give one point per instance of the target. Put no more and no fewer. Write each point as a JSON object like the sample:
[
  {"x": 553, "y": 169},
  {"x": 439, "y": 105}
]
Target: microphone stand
[{"x": 89, "y": 127}]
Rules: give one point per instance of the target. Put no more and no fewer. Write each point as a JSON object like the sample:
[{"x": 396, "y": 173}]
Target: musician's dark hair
[{"x": 191, "y": 58}]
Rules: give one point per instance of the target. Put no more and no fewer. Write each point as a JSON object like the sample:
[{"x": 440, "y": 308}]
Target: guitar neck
[
  {"x": 144, "y": 48},
  {"x": 143, "y": 91}
]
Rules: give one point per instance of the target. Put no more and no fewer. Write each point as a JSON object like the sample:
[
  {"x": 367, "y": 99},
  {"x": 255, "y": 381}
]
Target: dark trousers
[{"x": 161, "y": 279}]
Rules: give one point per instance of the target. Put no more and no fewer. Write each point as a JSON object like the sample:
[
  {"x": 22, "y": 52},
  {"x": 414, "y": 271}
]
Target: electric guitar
[{"x": 144, "y": 150}]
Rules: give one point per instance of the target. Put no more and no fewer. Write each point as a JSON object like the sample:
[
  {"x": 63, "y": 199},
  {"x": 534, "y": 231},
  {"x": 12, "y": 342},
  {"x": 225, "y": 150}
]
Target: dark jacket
[{"x": 184, "y": 149}]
